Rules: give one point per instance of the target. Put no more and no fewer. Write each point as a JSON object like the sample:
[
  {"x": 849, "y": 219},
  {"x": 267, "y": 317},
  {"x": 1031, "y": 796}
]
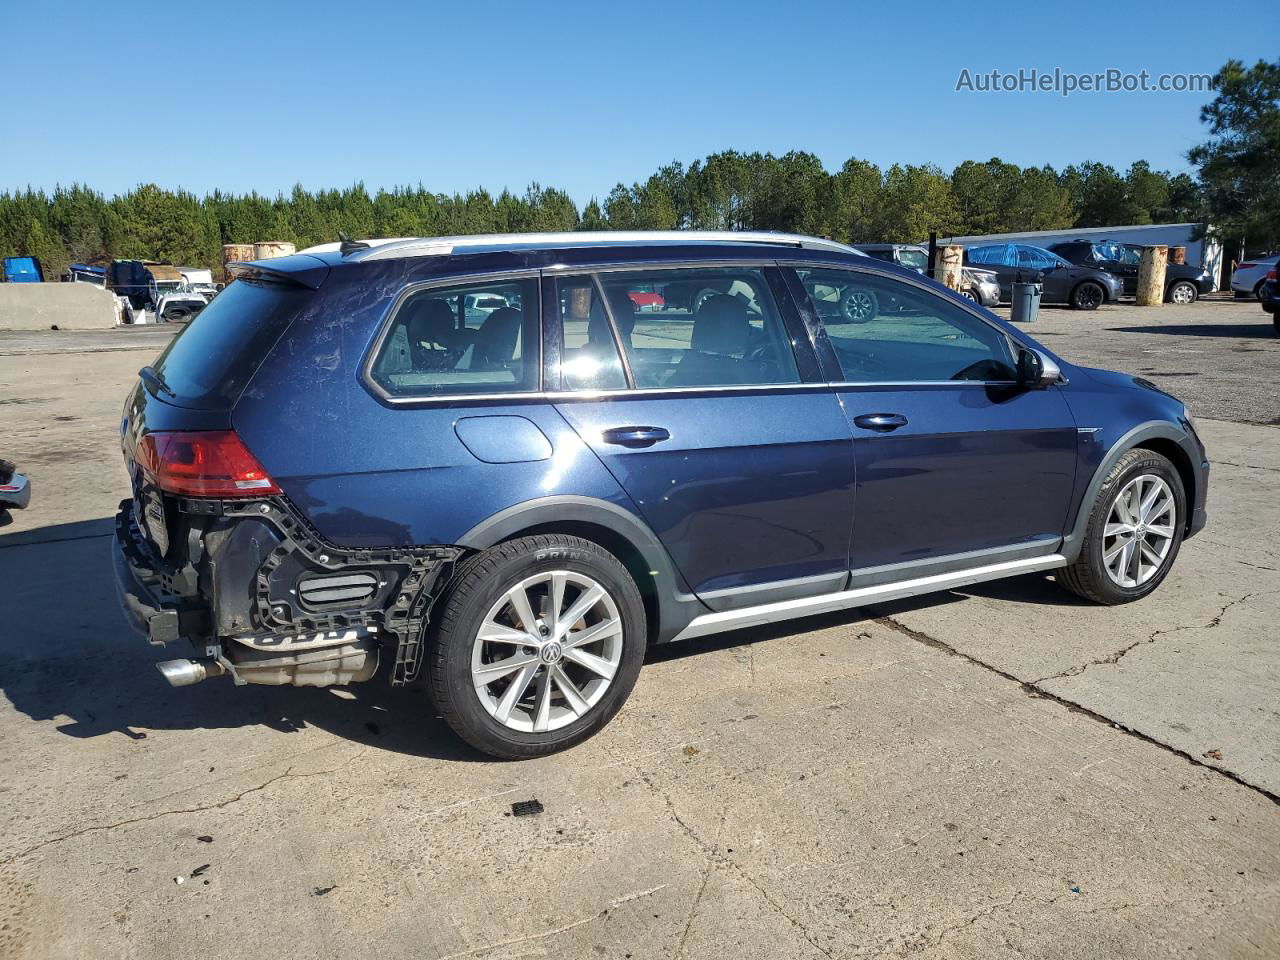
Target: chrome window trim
[{"x": 453, "y": 280}]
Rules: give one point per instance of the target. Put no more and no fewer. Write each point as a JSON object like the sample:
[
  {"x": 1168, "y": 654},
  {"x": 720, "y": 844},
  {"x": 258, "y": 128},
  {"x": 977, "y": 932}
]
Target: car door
[
  {"x": 955, "y": 462},
  {"x": 721, "y": 432}
]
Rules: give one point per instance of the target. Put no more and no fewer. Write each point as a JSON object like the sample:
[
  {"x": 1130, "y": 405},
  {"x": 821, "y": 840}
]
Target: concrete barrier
[{"x": 72, "y": 306}]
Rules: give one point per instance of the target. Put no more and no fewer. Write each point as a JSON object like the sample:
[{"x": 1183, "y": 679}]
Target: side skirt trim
[{"x": 710, "y": 623}]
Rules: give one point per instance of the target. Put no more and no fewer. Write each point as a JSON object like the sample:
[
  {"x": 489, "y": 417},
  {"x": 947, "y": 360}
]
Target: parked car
[
  {"x": 180, "y": 306},
  {"x": 1270, "y": 297},
  {"x": 981, "y": 286},
  {"x": 912, "y": 256},
  {"x": 1248, "y": 277},
  {"x": 22, "y": 270},
  {"x": 1183, "y": 283},
  {"x": 322, "y": 478},
  {"x": 15, "y": 490},
  {"x": 1085, "y": 288}
]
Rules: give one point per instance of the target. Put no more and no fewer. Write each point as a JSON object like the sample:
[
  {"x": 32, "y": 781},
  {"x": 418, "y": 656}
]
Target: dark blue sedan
[{"x": 505, "y": 466}]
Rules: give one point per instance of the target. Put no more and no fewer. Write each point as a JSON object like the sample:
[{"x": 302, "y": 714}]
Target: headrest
[
  {"x": 721, "y": 326},
  {"x": 432, "y": 321}
]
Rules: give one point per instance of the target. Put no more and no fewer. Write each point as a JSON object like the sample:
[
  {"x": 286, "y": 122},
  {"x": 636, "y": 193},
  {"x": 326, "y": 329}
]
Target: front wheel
[
  {"x": 1183, "y": 292},
  {"x": 539, "y": 644},
  {"x": 1134, "y": 531},
  {"x": 1088, "y": 296}
]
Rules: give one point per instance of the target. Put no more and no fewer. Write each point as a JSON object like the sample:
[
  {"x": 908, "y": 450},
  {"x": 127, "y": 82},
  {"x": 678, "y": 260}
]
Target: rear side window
[
  {"x": 470, "y": 339},
  {"x": 211, "y": 361},
  {"x": 703, "y": 327}
]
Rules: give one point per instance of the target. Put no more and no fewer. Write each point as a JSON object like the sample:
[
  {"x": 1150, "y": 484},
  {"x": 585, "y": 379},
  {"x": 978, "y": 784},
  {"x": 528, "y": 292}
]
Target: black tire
[
  {"x": 970, "y": 295},
  {"x": 1088, "y": 577},
  {"x": 1186, "y": 289},
  {"x": 1088, "y": 296},
  {"x": 1257, "y": 290},
  {"x": 479, "y": 584},
  {"x": 1275, "y": 323},
  {"x": 859, "y": 305}
]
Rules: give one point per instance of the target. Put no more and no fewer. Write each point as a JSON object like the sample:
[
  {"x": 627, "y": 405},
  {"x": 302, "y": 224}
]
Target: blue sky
[{"x": 574, "y": 95}]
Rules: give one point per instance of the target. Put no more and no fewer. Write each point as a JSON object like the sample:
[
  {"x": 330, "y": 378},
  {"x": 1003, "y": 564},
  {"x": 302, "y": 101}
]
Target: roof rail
[{"x": 443, "y": 246}]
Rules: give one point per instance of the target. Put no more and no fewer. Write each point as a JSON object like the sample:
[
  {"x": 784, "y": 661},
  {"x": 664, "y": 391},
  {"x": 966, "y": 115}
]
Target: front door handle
[
  {"x": 881, "y": 422},
  {"x": 635, "y": 436}
]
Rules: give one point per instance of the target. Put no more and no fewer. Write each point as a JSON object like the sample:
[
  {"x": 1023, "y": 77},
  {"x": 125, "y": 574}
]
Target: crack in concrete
[
  {"x": 708, "y": 868},
  {"x": 555, "y": 931},
  {"x": 1245, "y": 466},
  {"x": 712, "y": 854},
  {"x": 1116, "y": 657},
  {"x": 101, "y": 828},
  {"x": 1040, "y": 692}
]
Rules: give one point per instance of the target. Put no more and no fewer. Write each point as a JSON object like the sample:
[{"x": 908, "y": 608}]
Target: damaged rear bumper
[{"x": 266, "y": 601}]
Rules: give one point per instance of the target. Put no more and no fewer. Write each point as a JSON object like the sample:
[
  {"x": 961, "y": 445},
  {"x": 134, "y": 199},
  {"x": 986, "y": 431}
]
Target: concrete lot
[{"x": 996, "y": 772}]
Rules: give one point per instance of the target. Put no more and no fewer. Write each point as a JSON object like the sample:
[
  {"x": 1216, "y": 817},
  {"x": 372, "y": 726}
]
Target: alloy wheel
[
  {"x": 547, "y": 651},
  {"x": 858, "y": 305},
  {"x": 1182, "y": 293},
  {"x": 1139, "y": 532}
]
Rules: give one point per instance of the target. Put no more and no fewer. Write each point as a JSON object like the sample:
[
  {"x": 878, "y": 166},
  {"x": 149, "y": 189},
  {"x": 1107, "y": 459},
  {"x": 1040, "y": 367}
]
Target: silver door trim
[{"x": 710, "y": 623}]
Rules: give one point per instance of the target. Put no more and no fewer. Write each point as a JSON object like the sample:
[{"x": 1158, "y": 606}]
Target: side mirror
[{"x": 1035, "y": 370}]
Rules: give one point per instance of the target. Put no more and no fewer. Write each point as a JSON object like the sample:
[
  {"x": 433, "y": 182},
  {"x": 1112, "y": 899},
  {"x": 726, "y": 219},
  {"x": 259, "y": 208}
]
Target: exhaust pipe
[{"x": 183, "y": 673}]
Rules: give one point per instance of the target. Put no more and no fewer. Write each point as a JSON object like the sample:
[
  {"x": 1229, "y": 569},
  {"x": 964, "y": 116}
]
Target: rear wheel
[
  {"x": 1134, "y": 531},
  {"x": 1088, "y": 296},
  {"x": 1183, "y": 292},
  {"x": 539, "y": 645},
  {"x": 968, "y": 294}
]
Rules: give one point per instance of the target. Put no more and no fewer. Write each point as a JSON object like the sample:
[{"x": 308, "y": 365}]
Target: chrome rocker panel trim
[{"x": 710, "y": 623}]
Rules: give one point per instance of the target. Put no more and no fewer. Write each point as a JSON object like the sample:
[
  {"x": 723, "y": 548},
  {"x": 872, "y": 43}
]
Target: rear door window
[
  {"x": 700, "y": 327},
  {"x": 475, "y": 338},
  {"x": 211, "y": 361}
]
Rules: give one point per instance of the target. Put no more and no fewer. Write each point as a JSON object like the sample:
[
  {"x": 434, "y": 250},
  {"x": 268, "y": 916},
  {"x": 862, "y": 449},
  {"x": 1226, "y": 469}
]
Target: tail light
[
  {"x": 1271, "y": 274},
  {"x": 1245, "y": 266},
  {"x": 213, "y": 463}
]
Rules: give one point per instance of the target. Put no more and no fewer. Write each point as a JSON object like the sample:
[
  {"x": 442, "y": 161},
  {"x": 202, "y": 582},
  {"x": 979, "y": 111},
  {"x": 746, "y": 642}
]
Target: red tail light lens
[
  {"x": 1271, "y": 274},
  {"x": 1245, "y": 266},
  {"x": 213, "y": 463}
]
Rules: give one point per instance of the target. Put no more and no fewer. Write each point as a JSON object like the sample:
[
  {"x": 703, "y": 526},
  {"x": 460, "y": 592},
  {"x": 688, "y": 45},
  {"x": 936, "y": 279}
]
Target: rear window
[{"x": 211, "y": 361}]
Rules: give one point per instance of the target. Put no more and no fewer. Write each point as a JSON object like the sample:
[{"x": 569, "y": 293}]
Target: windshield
[{"x": 915, "y": 259}]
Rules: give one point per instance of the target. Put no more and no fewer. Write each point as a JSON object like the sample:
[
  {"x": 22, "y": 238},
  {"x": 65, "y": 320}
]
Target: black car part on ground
[{"x": 239, "y": 568}]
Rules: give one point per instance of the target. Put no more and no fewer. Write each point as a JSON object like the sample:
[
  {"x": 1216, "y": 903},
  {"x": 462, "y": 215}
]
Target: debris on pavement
[{"x": 526, "y": 808}]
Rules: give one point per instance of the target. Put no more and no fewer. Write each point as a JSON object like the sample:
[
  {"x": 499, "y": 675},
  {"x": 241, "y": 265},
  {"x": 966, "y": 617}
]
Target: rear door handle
[
  {"x": 635, "y": 436},
  {"x": 881, "y": 422}
]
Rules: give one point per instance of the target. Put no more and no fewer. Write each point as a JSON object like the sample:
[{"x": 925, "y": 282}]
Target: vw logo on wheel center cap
[{"x": 550, "y": 652}]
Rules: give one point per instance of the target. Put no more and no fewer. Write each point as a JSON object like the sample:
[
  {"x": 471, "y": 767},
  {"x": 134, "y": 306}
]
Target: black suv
[{"x": 1182, "y": 283}]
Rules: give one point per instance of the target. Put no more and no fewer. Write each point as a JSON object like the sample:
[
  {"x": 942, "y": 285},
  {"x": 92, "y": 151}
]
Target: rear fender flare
[{"x": 677, "y": 604}]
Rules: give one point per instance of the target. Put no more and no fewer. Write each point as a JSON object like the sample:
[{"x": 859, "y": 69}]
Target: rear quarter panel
[{"x": 367, "y": 473}]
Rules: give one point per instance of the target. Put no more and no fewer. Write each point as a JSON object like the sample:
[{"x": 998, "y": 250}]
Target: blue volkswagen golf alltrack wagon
[{"x": 505, "y": 466}]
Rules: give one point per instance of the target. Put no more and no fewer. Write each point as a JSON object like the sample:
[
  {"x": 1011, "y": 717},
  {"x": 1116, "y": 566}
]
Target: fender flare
[
  {"x": 1150, "y": 430},
  {"x": 676, "y": 603}
]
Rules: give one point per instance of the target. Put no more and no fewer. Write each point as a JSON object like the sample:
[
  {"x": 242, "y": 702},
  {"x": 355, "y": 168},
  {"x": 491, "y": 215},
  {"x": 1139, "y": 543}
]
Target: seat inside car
[
  {"x": 495, "y": 343},
  {"x": 721, "y": 335},
  {"x": 433, "y": 341}
]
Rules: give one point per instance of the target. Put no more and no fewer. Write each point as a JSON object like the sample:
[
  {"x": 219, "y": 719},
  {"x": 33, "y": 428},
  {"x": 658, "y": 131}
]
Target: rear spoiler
[{"x": 299, "y": 270}]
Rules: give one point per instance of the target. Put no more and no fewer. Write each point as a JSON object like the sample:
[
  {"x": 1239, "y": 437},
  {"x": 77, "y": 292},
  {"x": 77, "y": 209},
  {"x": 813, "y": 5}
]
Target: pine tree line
[{"x": 859, "y": 203}]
